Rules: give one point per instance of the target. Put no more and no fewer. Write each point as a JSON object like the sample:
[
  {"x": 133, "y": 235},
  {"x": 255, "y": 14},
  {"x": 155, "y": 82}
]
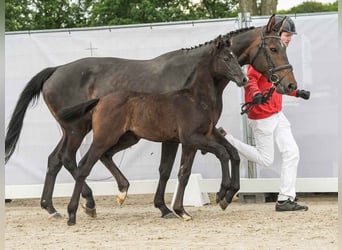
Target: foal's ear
[
  {"x": 219, "y": 42},
  {"x": 272, "y": 26}
]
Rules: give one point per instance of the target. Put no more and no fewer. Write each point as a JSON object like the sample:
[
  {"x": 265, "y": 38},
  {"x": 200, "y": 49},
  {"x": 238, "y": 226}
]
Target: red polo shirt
[{"x": 259, "y": 84}]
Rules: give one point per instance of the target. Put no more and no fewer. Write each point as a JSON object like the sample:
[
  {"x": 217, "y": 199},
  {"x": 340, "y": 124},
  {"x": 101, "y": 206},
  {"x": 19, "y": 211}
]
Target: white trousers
[{"x": 268, "y": 132}]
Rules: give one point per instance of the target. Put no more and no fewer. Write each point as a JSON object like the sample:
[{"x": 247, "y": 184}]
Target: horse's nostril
[{"x": 292, "y": 86}]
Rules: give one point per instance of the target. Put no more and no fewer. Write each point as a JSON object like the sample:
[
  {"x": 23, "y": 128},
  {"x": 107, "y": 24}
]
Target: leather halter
[{"x": 273, "y": 77}]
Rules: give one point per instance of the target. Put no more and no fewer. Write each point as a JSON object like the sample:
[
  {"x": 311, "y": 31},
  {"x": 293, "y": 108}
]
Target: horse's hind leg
[
  {"x": 168, "y": 155},
  {"x": 54, "y": 166},
  {"x": 124, "y": 142}
]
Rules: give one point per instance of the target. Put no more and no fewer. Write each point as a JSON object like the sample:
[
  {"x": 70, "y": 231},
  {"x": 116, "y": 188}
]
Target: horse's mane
[
  {"x": 225, "y": 37},
  {"x": 235, "y": 32}
]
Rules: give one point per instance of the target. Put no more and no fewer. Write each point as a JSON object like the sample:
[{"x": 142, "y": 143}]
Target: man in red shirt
[{"x": 270, "y": 126}]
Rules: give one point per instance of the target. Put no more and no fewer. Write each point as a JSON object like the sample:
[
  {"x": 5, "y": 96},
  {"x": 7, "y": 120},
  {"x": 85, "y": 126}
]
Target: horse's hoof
[
  {"x": 55, "y": 216},
  {"x": 89, "y": 211},
  {"x": 71, "y": 223},
  {"x": 223, "y": 204},
  {"x": 120, "y": 199},
  {"x": 169, "y": 215}
]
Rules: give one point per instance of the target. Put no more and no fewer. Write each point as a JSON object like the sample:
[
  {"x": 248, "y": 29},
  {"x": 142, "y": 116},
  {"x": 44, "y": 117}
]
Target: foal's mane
[
  {"x": 198, "y": 46},
  {"x": 225, "y": 37}
]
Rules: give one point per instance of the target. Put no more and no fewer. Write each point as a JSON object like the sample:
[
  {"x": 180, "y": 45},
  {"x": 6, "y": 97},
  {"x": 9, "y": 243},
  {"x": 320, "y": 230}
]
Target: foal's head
[{"x": 225, "y": 64}]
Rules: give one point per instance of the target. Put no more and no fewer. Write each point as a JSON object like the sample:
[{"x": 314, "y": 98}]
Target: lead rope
[{"x": 248, "y": 106}]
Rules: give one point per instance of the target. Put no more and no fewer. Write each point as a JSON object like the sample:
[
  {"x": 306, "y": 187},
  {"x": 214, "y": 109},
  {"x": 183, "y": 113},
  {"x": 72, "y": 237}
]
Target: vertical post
[{"x": 244, "y": 21}]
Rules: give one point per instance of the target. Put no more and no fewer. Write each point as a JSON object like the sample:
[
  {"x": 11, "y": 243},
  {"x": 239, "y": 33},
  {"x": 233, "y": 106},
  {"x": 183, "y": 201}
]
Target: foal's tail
[
  {"x": 72, "y": 113},
  {"x": 30, "y": 94}
]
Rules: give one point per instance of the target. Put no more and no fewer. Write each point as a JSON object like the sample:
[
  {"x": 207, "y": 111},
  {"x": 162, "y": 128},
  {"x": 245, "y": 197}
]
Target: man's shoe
[{"x": 289, "y": 205}]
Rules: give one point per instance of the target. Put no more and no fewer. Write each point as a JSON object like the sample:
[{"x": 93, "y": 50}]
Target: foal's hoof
[
  {"x": 120, "y": 199},
  {"x": 217, "y": 198},
  {"x": 89, "y": 211},
  {"x": 186, "y": 217},
  {"x": 55, "y": 216},
  {"x": 223, "y": 204}
]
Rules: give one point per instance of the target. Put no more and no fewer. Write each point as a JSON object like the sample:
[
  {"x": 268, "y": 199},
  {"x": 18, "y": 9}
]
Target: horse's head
[
  {"x": 269, "y": 57},
  {"x": 226, "y": 65}
]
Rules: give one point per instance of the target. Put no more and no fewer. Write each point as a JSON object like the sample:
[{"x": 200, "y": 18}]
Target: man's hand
[
  {"x": 260, "y": 99},
  {"x": 305, "y": 94}
]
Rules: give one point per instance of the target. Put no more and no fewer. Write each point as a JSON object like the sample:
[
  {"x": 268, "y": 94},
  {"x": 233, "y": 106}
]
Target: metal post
[{"x": 244, "y": 21}]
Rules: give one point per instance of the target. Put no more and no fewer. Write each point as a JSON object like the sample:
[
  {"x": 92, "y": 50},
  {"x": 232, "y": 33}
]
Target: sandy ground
[{"x": 137, "y": 225}]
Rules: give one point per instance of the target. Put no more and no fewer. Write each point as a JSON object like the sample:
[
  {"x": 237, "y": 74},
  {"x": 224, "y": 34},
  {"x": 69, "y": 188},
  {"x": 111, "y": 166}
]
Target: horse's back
[
  {"x": 93, "y": 77},
  {"x": 86, "y": 78}
]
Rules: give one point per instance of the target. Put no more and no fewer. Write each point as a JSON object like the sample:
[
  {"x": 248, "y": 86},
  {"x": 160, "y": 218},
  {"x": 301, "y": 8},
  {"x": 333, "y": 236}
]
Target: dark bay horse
[
  {"x": 186, "y": 116},
  {"x": 88, "y": 78}
]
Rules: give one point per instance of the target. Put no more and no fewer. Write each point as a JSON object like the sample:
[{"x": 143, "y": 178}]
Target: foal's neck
[{"x": 205, "y": 87}]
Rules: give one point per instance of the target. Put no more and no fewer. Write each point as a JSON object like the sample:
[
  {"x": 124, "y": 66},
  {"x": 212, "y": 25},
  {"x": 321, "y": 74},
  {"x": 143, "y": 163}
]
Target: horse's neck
[{"x": 242, "y": 44}]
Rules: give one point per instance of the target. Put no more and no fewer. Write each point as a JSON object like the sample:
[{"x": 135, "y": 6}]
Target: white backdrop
[{"x": 313, "y": 53}]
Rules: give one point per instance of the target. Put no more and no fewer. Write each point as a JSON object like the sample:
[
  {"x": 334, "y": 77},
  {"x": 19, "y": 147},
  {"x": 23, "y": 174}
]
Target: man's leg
[
  {"x": 263, "y": 152},
  {"x": 290, "y": 158}
]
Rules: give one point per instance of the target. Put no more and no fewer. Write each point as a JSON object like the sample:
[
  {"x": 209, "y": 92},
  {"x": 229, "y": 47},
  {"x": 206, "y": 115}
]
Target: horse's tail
[
  {"x": 77, "y": 111},
  {"x": 30, "y": 94}
]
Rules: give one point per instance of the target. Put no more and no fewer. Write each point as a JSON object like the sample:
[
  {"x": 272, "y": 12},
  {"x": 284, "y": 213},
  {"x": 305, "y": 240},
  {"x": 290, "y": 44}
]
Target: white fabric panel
[
  {"x": 314, "y": 122},
  {"x": 314, "y": 56},
  {"x": 27, "y": 54}
]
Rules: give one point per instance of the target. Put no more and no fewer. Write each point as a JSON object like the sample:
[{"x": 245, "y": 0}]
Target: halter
[{"x": 273, "y": 77}]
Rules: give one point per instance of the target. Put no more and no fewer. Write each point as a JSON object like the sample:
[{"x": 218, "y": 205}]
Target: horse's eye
[
  {"x": 226, "y": 58},
  {"x": 273, "y": 50}
]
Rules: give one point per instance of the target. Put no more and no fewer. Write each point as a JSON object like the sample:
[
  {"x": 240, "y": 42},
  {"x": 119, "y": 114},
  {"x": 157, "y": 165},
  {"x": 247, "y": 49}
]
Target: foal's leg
[
  {"x": 168, "y": 155},
  {"x": 188, "y": 155},
  {"x": 235, "y": 168},
  {"x": 125, "y": 141},
  {"x": 68, "y": 153},
  {"x": 80, "y": 174},
  {"x": 214, "y": 145}
]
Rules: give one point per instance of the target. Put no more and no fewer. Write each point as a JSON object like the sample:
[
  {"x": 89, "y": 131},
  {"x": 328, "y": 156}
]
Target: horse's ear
[{"x": 272, "y": 26}]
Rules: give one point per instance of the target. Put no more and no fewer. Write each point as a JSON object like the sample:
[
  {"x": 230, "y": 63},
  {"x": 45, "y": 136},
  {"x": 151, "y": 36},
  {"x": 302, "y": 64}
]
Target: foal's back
[{"x": 155, "y": 117}]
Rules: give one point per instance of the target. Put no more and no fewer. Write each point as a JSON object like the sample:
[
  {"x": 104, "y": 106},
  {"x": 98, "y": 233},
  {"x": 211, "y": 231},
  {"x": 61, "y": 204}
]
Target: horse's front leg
[
  {"x": 188, "y": 155},
  {"x": 234, "y": 186},
  {"x": 168, "y": 155}
]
